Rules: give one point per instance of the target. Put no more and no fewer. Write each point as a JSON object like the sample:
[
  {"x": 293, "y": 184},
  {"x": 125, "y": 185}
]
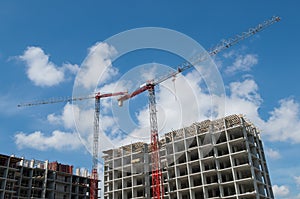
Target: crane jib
[{"x": 224, "y": 44}]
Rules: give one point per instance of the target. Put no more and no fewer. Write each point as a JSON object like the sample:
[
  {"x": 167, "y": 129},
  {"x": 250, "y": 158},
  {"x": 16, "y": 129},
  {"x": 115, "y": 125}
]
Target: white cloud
[
  {"x": 41, "y": 71},
  {"x": 74, "y": 117},
  {"x": 67, "y": 118},
  {"x": 282, "y": 190},
  {"x": 120, "y": 86},
  {"x": 244, "y": 98},
  {"x": 284, "y": 122},
  {"x": 177, "y": 106},
  {"x": 97, "y": 66},
  {"x": 273, "y": 154},
  {"x": 241, "y": 62},
  {"x": 177, "y": 112},
  {"x": 57, "y": 140},
  {"x": 297, "y": 180},
  {"x": 229, "y": 54},
  {"x": 82, "y": 119},
  {"x": 246, "y": 90},
  {"x": 174, "y": 109},
  {"x": 72, "y": 68},
  {"x": 79, "y": 116},
  {"x": 149, "y": 74}
]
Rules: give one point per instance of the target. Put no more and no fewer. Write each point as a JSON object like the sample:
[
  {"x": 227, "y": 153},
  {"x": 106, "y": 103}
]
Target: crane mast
[
  {"x": 94, "y": 178},
  {"x": 157, "y": 183},
  {"x": 157, "y": 190}
]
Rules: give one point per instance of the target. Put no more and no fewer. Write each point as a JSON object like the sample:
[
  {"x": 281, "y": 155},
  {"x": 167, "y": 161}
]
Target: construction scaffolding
[{"x": 210, "y": 159}]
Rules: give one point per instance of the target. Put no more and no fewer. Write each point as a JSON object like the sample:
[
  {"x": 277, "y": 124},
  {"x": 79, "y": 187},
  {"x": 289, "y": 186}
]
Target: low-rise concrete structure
[{"x": 20, "y": 178}]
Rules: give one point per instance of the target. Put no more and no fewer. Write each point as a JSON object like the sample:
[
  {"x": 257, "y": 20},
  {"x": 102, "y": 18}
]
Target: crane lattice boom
[{"x": 224, "y": 44}]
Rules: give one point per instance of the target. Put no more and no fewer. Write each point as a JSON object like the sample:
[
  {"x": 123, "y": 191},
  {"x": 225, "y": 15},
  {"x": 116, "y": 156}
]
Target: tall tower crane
[
  {"x": 97, "y": 97},
  {"x": 157, "y": 185}
]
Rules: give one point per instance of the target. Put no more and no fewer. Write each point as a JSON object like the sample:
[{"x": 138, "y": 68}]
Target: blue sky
[{"x": 260, "y": 74}]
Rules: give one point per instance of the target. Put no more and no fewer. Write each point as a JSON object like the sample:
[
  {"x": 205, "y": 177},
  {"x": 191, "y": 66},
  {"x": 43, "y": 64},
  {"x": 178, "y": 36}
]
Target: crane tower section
[{"x": 157, "y": 190}]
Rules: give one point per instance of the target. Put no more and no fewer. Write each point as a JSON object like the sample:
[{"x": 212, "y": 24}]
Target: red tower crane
[
  {"x": 97, "y": 97},
  {"x": 157, "y": 185}
]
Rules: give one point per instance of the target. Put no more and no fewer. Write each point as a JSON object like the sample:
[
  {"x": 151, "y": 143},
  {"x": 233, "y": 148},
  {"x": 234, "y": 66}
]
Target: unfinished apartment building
[
  {"x": 211, "y": 159},
  {"x": 20, "y": 178}
]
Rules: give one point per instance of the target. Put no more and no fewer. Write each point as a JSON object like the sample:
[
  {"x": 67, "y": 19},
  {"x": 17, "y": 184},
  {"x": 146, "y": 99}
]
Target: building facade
[
  {"x": 20, "y": 178},
  {"x": 210, "y": 159}
]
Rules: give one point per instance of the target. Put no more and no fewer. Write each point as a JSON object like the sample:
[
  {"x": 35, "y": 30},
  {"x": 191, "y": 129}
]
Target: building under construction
[
  {"x": 20, "y": 178},
  {"x": 211, "y": 159}
]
